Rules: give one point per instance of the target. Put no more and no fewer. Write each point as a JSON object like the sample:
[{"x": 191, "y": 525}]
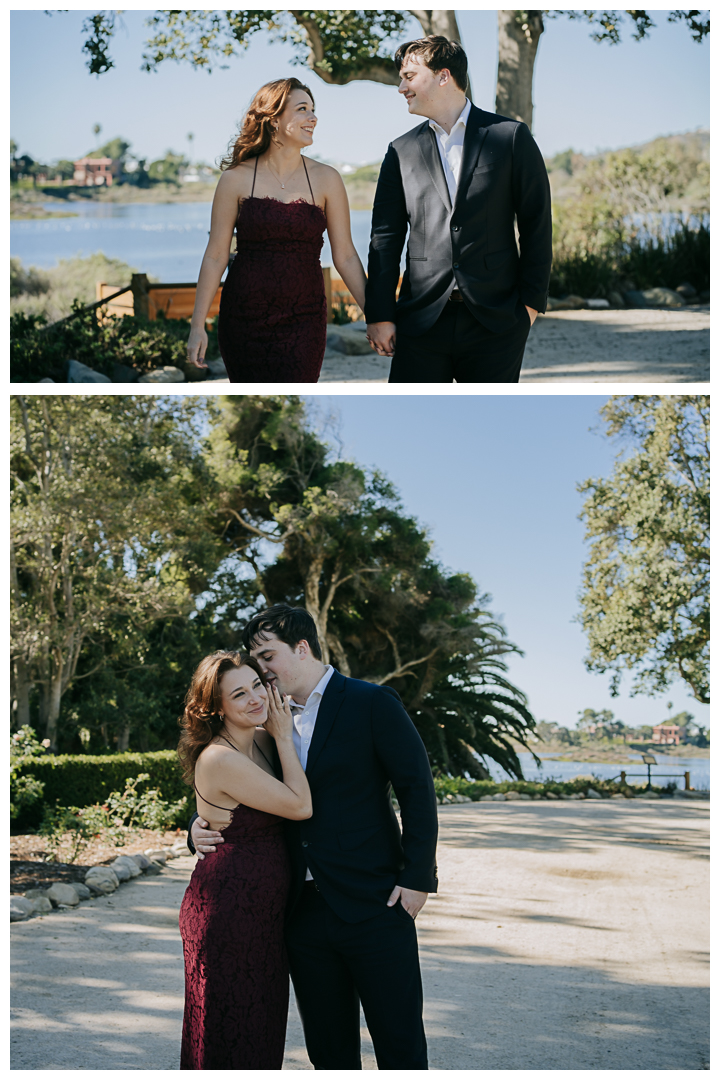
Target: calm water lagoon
[
  {"x": 165, "y": 240},
  {"x": 699, "y": 769}
]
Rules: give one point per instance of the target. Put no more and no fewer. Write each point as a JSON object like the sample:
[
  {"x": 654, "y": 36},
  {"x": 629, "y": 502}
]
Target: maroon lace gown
[
  {"x": 273, "y": 317},
  {"x": 236, "y": 971}
]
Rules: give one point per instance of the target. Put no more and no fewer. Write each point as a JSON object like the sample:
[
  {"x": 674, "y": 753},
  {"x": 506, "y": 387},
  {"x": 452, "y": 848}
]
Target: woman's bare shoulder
[
  {"x": 238, "y": 179},
  {"x": 321, "y": 171}
]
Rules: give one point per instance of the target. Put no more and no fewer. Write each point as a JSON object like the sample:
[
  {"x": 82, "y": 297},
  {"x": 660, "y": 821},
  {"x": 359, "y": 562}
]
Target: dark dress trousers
[
  {"x": 345, "y": 945},
  {"x": 470, "y": 245}
]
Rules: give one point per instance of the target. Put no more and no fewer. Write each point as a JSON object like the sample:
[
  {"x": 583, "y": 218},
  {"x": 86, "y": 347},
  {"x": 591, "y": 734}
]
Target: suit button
[
  {"x": 455, "y": 266},
  {"x": 456, "y": 228},
  {"x": 304, "y": 843}
]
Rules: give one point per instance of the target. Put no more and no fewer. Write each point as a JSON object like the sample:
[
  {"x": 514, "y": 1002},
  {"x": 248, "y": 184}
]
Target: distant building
[
  {"x": 666, "y": 733},
  {"x": 95, "y": 172}
]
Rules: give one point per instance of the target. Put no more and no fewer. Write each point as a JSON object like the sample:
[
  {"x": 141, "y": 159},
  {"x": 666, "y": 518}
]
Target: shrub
[
  {"x": 87, "y": 780},
  {"x": 474, "y": 789},
  {"x": 25, "y": 791},
  {"x": 683, "y": 256},
  {"x": 38, "y": 351}
]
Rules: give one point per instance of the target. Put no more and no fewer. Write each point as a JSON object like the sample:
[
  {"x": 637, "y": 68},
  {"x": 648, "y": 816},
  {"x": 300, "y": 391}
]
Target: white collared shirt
[
  {"x": 451, "y": 149},
  {"x": 304, "y": 717}
]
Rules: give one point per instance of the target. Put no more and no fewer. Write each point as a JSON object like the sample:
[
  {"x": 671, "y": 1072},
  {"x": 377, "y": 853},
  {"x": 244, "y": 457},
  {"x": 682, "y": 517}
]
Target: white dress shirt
[
  {"x": 451, "y": 149},
  {"x": 304, "y": 717}
]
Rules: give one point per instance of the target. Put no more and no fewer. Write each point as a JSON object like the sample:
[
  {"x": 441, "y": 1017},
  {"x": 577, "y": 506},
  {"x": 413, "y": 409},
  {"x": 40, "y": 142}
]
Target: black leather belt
[{"x": 456, "y": 296}]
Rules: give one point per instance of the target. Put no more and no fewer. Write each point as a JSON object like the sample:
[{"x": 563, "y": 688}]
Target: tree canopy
[
  {"x": 343, "y": 46},
  {"x": 645, "y": 592},
  {"x": 165, "y": 524}
]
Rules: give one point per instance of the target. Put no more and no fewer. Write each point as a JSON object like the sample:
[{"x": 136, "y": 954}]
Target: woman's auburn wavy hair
[
  {"x": 256, "y": 129},
  {"x": 201, "y": 721}
]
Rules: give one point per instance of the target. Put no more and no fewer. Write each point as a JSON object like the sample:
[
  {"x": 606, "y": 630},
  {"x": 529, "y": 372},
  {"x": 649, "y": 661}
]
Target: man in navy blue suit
[{"x": 358, "y": 881}]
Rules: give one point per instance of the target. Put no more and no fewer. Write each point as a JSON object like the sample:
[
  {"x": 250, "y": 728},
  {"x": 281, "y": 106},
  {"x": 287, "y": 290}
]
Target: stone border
[{"x": 100, "y": 880}]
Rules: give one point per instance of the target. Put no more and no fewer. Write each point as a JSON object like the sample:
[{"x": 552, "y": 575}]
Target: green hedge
[
  {"x": 474, "y": 789},
  {"x": 85, "y": 779}
]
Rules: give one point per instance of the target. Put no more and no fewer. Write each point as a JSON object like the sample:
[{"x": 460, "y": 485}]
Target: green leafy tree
[
  {"x": 645, "y": 592},
  {"x": 106, "y": 537},
  {"x": 114, "y": 148},
  {"x": 167, "y": 169},
  {"x": 342, "y": 46},
  {"x": 64, "y": 168},
  {"x": 322, "y": 532}
]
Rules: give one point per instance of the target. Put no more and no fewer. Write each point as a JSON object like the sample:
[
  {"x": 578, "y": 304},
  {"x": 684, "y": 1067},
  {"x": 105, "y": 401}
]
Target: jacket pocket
[
  {"x": 497, "y": 258},
  {"x": 484, "y": 168}
]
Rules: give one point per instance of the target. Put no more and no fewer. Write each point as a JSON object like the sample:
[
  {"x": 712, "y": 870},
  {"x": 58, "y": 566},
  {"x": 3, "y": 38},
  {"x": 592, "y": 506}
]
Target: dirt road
[
  {"x": 565, "y": 936},
  {"x": 588, "y": 347}
]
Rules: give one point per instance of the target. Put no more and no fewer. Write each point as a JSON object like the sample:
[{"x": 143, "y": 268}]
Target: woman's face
[
  {"x": 297, "y": 121},
  {"x": 243, "y": 697}
]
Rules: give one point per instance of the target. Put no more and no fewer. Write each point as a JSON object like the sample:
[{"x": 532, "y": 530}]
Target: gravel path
[{"x": 566, "y": 936}]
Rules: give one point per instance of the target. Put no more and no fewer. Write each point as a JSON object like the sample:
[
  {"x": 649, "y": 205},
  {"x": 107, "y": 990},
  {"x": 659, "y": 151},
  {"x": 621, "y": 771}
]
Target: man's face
[
  {"x": 281, "y": 665},
  {"x": 420, "y": 86}
]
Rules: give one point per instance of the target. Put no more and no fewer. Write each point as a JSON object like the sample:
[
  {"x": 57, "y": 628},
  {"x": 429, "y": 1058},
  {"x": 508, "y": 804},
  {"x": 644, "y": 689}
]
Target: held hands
[
  {"x": 204, "y": 838},
  {"x": 532, "y": 313},
  {"x": 381, "y": 336},
  {"x": 197, "y": 347},
  {"x": 279, "y": 723},
  {"x": 411, "y": 900}
]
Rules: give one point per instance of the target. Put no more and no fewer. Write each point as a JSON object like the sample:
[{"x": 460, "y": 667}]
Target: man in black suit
[
  {"x": 358, "y": 883},
  {"x": 470, "y": 292}
]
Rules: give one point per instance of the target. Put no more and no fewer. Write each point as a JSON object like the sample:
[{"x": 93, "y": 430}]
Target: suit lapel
[
  {"x": 431, "y": 157},
  {"x": 332, "y": 699},
  {"x": 474, "y": 138}
]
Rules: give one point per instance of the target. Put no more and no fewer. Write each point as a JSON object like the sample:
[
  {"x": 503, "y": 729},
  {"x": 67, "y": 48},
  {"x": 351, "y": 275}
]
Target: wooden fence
[{"x": 177, "y": 300}]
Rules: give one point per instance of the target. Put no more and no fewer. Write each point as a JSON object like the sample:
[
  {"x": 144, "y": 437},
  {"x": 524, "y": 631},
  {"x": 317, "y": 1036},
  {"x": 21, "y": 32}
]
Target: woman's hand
[
  {"x": 197, "y": 347},
  {"x": 279, "y": 723}
]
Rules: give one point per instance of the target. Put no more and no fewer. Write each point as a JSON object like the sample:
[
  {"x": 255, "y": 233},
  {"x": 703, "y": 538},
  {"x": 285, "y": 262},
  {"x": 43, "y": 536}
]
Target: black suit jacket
[
  {"x": 363, "y": 743},
  {"x": 502, "y": 178}
]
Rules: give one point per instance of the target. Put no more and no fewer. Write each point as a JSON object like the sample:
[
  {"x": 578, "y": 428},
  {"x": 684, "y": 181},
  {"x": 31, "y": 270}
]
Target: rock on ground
[{"x": 554, "y": 943}]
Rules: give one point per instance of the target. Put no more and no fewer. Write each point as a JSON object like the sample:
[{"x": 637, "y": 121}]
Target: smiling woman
[
  {"x": 232, "y": 915},
  {"x": 273, "y": 316}
]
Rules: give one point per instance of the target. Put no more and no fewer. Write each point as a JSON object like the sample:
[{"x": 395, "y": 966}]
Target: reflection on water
[
  {"x": 165, "y": 240},
  {"x": 699, "y": 769}
]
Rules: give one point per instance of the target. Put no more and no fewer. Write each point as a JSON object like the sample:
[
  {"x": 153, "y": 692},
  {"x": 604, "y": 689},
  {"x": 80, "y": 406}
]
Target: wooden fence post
[{"x": 139, "y": 286}]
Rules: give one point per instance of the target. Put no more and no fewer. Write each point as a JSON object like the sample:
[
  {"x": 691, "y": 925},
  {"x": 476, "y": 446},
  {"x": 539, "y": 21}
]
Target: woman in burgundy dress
[
  {"x": 273, "y": 316},
  {"x": 232, "y": 914}
]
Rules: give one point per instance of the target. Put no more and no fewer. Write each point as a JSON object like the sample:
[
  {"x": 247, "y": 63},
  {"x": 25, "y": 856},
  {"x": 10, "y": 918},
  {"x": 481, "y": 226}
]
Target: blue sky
[
  {"x": 494, "y": 480},
  {"x": 587, "y": 96}
]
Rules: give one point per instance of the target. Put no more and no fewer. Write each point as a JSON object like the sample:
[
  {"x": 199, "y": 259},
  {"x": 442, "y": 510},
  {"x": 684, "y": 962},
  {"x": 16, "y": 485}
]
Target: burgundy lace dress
[
  {"x": 273, "y": 317},
  {"x": 236, "y": 970}
]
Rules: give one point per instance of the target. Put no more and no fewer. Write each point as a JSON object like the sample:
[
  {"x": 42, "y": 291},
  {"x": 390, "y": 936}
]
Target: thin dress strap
[
  {"x": 312, "y": 196},
  {"x": 226, "y": 808},
  {"x": 251, "y": 195}
]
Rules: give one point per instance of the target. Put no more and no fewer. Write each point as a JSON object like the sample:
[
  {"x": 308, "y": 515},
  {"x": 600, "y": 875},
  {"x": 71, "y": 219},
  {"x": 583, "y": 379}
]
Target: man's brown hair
[{"x": 437, "y": 53}]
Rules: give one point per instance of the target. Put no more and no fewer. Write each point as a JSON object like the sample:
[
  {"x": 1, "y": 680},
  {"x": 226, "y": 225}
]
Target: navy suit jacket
[
  {"x": 363, "y": 743},
  {"x": 502, "y": 179}
]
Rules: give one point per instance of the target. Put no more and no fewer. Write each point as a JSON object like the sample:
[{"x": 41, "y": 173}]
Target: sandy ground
[
  {"x": 565, "y": 936},
  {"x": 585, "y": 346}
]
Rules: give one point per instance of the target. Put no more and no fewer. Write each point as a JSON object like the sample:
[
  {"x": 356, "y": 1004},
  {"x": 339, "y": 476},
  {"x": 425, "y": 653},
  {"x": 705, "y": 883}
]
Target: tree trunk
[
  {"x": 123, "y": 739},
  {"x": 20, "y": 693},
  {"x": 517, "y": 48},
  {"x": 444, "y": 24},
  {"x": 53, "y": 699}
]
